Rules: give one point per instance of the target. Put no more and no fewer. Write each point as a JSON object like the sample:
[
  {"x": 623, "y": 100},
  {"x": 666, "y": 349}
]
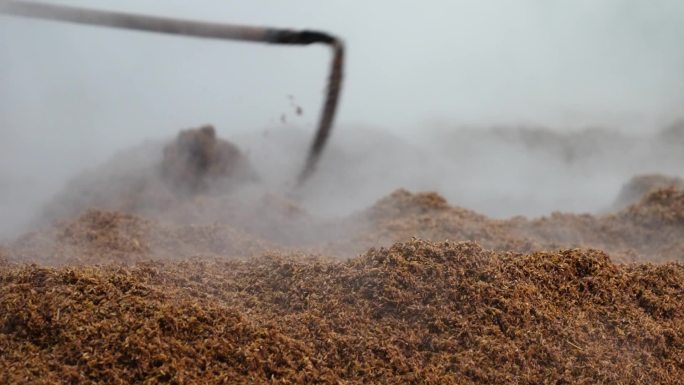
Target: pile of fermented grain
[
  {"x": 652, "y": 229},
  {"x": 640, "y": 185},
  {"x": 106, "y": 237},
  {"x": 256, "y": 292},
  {"x": 417, "y": 312}
]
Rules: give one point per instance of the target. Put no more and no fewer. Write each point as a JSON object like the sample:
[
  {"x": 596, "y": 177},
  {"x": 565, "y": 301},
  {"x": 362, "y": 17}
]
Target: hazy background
[{"x": 417, "y": 73}]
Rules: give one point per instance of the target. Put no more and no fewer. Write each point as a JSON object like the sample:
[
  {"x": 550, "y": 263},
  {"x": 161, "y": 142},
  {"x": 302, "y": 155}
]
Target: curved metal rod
[
  {"x": 328, "y": 113},
  {"x": 210, "y": 31}
]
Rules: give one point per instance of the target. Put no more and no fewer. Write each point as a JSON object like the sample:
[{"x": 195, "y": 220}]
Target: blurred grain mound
[
  {"x": 662, "y": 207},
  {"x": 641, "y": 185},
  {"x": 106, "y": 237},
  {"x": 153, "y": 178},
  {"x": 650, "y": 230},
  {"x": 197, "y": 158},
  {"x": 418, "y": 312}
]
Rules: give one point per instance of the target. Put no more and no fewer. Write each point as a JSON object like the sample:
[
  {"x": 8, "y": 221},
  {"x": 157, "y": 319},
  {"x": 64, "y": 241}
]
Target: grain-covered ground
[{"x": 410, "y": 290}]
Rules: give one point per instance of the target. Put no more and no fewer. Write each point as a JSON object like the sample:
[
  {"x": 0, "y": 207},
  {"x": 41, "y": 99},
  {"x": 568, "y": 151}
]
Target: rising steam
[{"x": 494, "y": 106}]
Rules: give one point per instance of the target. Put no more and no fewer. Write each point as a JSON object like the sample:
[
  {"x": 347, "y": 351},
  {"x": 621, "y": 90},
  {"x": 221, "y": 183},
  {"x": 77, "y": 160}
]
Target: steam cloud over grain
[{"x": 73, "y": 96}]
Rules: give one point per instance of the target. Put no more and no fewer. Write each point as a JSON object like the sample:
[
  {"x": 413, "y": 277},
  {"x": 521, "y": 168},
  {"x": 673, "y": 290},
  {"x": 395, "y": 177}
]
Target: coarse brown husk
[
  {"x": 650, "y": 230},
  {"x": 109, "y": 237},
  {"x": 418, "y": 312},
  {"x": 136, "y": 299},
  {"x": 640, "y": 185}
]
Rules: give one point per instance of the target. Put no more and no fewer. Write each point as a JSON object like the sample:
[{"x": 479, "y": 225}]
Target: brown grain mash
[{"x": 425, "y": 293}]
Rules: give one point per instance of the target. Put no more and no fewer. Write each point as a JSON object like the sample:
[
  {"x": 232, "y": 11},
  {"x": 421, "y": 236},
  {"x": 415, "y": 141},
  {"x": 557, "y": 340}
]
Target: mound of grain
[
  {"x": 650, "y": 230},
  {"x": 104, "y": 237},
  {"x": 198, "y": 158},
  {"x": 662, "y": 207},
  {"x": 637, "y": 187},
  {"x": 153, "y": 179},
  {"x": 417, "y": 312},
  {"x": 404, "y": 203},
  {"x": 404, "y": 215},
  {"x": 105, "y": 326}
]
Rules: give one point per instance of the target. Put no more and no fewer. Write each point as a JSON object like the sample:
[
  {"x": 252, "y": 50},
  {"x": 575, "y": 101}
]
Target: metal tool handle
[{"x": 209, "y": 31}]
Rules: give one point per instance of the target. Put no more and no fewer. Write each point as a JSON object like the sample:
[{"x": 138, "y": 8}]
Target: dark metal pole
[{"x": 209, "y": 31}]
